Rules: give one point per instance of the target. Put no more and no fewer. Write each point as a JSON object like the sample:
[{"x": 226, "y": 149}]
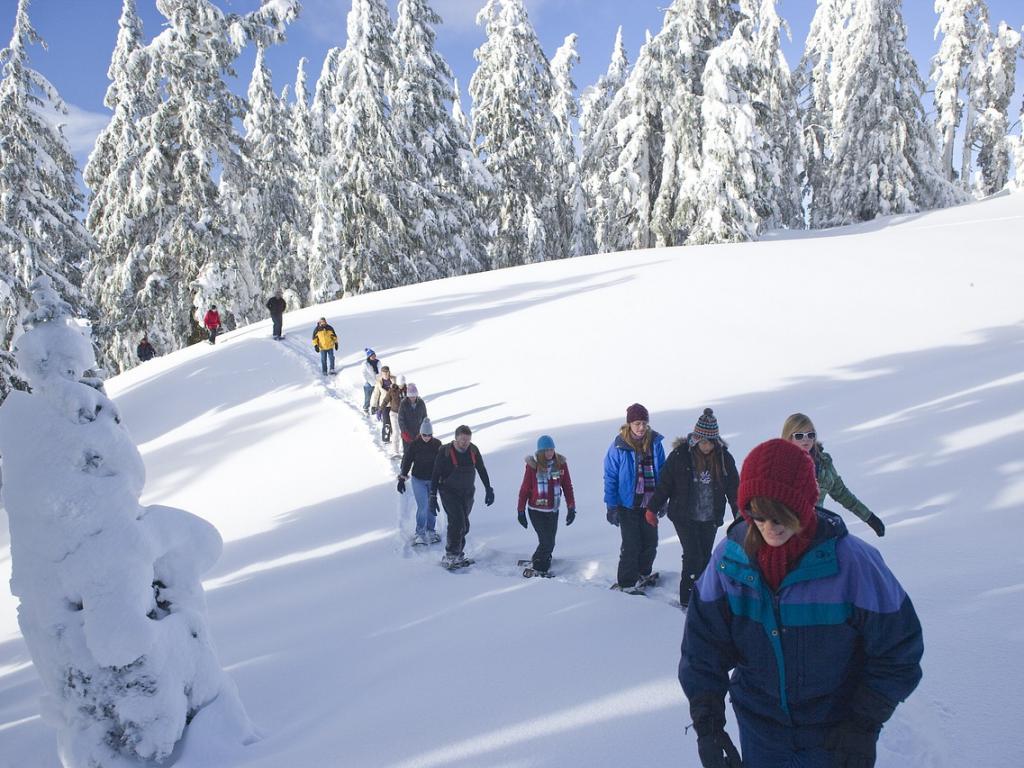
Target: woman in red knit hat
[{"x": 821, "y": 640}]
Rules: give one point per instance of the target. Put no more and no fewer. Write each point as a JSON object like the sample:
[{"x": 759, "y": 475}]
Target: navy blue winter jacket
[
  {"x": 620, "y": 470},
  {"x": 839, "y": 640}
]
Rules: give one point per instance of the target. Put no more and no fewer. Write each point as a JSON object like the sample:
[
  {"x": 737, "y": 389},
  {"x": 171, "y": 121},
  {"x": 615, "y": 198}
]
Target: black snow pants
[
  {"x": 278, "y": 319},
  {"x": 697, "y": 540},
  {"x": 545, "y": 525},
  {"x": 458, "y": 503},
  {"x": 639, "y": 546}
]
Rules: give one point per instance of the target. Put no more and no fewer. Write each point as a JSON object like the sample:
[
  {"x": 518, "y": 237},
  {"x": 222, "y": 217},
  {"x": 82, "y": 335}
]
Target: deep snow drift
[{"x": 902, "y": 339}]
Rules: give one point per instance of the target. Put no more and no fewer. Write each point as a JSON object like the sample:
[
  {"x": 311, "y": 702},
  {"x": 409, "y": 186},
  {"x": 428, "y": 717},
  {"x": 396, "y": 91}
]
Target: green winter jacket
[{"x": 831, "y": 484}]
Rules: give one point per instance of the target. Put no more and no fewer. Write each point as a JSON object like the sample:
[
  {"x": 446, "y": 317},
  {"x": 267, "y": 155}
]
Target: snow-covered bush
[{"x": 111, "y": 604}]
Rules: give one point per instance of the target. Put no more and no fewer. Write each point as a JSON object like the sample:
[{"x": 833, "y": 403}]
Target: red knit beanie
[{"x": 783, "y": 471}]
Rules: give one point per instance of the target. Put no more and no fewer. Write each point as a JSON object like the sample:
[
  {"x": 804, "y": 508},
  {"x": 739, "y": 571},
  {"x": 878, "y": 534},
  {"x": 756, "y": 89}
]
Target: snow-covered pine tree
[
  {"x": 476, "y": 186},
  {"x": 575, "y": 227},
  {"x": 977, "y": 71},
  {"x": 815, "y": 96},
  {"x": 440, "y": 216},
  {"x": 40, "y": 232},
  {"x": 733, "y": 146},
  {"x": 271, "y": 203},
  {"x": 301, "y": 121},
  {"x": 110, "y": 600},
  {"x": 365, "y": 191},
  {"x": 512, "y": 133},
  {"x": 597, "y": 145},
  {"x": 960, "y": 24},
  {"x": 882, "y": 152},
  {"x": 779, "y": 199},
  {"x": 111, "y": 174},
  {"x": 1017, "y": 145},
  {"x": 991, "y": 130}
]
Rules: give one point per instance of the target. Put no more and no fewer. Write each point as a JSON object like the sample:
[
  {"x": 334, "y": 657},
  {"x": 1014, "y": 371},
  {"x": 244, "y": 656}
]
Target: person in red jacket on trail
[
  {"x": 212, "y": 322},
  {"x": 545, "y": 481}
]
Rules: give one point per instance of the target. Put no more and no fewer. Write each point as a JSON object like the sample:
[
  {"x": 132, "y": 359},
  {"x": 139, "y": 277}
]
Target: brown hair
[
  {"x": 798, "y": 422},
  {"x": 712, "y": 461},
  {"x": 764, "y": 506},
  {"x": 643, "y": 447}
]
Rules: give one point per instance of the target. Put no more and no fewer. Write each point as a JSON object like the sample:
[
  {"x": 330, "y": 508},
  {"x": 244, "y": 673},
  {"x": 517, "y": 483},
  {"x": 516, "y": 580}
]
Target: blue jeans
[
  {"x": 325, "y": 355},
  {"x": 367, "y": 391},
  {"x": 766, "y": 744},
  {"x": 425, "y": 520}
]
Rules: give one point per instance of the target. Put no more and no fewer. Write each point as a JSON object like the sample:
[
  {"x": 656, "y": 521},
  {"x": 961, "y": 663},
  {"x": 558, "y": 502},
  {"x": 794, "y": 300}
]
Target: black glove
[
  {"x": 335, "y": 347},
  {"x": 570, "y": 515},
  {"x": 716, "y": 750},
  {"x": 433, "y": 505},
  {"x": 853, "y": 744},
  {"x": 316, "y": 347},
  {"x": 876, "y": 524},
  {"x": 522, "y": 520},
  {"x": 401, "y": 485},
  {"x": 612, "y": 516},
  {"x": 489, "y": 497}
]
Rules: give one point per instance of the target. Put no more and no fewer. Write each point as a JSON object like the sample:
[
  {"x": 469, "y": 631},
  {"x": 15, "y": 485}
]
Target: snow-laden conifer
[
  {"x": 271, "y": 206},
  {"x": 990, "y": 134},
  {"x": 574, "y": 222},
  {"x": 882, "y": 153},
  {"x": 977, "y": 73},
  {"x": 597, "y": 143},
  {"x": 961, "y": 24},
  {"x": 512, "y": 134},
  {"x": 733, "y": 146},
  {"x": 437, "y": 204},
  {"x": 110, "y": 600},
  {"x": 40, "y": 232}
]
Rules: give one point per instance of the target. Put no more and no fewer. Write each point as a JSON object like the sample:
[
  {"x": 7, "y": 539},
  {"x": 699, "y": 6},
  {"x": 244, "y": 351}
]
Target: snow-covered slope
[{"x": 903, "y": 340}]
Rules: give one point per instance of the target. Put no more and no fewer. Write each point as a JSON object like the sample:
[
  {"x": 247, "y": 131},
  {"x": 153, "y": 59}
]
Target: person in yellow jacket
[{"x": 325, "y": 341}]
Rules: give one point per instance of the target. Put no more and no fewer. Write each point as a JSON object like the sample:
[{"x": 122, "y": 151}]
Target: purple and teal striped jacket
[{"x": 839, "y": 639}]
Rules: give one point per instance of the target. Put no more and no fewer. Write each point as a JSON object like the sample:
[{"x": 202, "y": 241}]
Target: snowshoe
[
  {"x": 455, "y": 562},
  {"x": 648, "y": 581},
  {"x": 634, "y": 590},
  {"x": 521, "y": 563},
  {"x": 433, "y": 537},
  {"x": 418, "y": 540},
  {"x": 529, "y": 572}
]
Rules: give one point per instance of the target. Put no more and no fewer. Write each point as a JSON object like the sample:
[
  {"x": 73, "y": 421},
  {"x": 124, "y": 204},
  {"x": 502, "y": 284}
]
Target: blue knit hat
[
  {"x": 544, "y": 442},
  {"x": 369, "y": 352}
]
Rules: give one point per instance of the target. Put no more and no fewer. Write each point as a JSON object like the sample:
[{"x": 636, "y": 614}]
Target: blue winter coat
[
  {"x": 620, "y": 470},
  {"x": 840, "y": 638}
]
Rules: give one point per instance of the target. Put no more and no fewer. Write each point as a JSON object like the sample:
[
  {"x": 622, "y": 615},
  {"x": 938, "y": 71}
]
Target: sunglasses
[
  {"x": 771, "y": 520},
  {"x": 802, "y": 435}
]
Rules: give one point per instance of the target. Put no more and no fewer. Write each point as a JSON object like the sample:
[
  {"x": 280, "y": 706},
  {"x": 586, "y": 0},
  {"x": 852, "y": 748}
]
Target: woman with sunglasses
[
  {"x": 799, "y": 429},
  {"x": 698, "y": 479},
  {"x": 821, "y": 640}
]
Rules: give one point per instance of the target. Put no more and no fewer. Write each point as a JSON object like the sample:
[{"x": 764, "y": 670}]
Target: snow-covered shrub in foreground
[{"x": 111, "y": 604}]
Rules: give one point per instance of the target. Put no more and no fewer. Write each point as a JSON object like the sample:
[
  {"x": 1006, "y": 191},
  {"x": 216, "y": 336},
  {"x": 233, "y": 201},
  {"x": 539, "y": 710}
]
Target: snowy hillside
[{"x": 903, "y": 339}]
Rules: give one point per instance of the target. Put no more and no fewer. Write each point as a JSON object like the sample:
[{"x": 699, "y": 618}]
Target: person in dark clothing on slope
[
  {"x": 632, "y": 467},
  {"x": 276, "y": 306},
  {"x": 545, "y": 480},
  {"x": 454, "y": 477},
  {"x": 212, "y": 323},
  {"x": 801, "y": 624},
  {"x": 145, "y": 350},
  {"x": 418, "y": 461},
  {"x": 411, "y": 413},
  {"x": 698, "y": 478}
]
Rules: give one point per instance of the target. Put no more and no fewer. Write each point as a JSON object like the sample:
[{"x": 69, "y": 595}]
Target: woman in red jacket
[
  {"x": 545, "y": 481},
  {"x": 212, "y": 322}
]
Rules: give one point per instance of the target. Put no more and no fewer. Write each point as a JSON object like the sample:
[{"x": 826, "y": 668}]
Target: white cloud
[{"x": 81, "y": 128}]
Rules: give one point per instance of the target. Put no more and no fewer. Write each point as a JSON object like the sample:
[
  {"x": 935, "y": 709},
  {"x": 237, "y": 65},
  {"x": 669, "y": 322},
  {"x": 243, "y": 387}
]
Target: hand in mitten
[
  {"x": 612, "y": 516},
  {"x": 335, "y": 347},
  {"x": 401, "y": 485},
  {"x": 876, "y": 524},
  {"x": 316, "y": 347},
  {"x": 651, "y": 518},
  {"x": 852, "y": 744},
  {"x": 433, "y": 505},
  {"x": 570, "y": 515},
  {"x": 522, "y": 520},
  {"x": 716, "y": 750},
  {"x": 489, "y": 497}
]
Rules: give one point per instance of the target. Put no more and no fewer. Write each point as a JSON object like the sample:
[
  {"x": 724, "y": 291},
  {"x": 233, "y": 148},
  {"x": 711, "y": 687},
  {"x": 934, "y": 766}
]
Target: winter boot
[
  {"x": 433, "y": 537},
  {"x": 418, "y": 540}
]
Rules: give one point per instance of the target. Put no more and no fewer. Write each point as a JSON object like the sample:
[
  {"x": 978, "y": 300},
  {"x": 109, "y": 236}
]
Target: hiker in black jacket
[
  {"x": 276, "y": 306},
  {"x": 454, "y": 477},
  {"x": 419, "y": 457}
]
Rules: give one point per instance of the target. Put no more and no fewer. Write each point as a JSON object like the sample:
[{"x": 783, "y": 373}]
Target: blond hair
[{"x": 799, "y": 422}]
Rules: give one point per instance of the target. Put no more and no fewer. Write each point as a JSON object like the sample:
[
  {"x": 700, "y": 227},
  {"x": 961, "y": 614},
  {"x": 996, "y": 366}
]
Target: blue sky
[{"x": 81, "y": 33}]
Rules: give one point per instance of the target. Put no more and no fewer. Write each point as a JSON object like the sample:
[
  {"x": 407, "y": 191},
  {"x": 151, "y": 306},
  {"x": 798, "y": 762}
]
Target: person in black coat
[
  {"x": 698, "y": 478},
  {"x": 418, "y": 459},
  {"x": 145, "y": 350},
  {"x": 454, "y": 477},
  {"x": 276, "y": 306}
]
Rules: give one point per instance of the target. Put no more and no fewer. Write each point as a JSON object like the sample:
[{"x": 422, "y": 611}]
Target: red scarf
[{"x": 777, "y": 562}]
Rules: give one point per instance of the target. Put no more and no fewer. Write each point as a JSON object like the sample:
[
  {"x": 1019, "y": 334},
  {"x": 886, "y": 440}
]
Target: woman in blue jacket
[
  {"x": 631, "y": 469},
  {"x": 820, "y": 638}
]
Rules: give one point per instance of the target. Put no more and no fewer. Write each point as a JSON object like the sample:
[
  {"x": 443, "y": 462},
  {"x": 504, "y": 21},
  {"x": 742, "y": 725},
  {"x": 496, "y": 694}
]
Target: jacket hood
[{"x": 531, "y": 461}]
